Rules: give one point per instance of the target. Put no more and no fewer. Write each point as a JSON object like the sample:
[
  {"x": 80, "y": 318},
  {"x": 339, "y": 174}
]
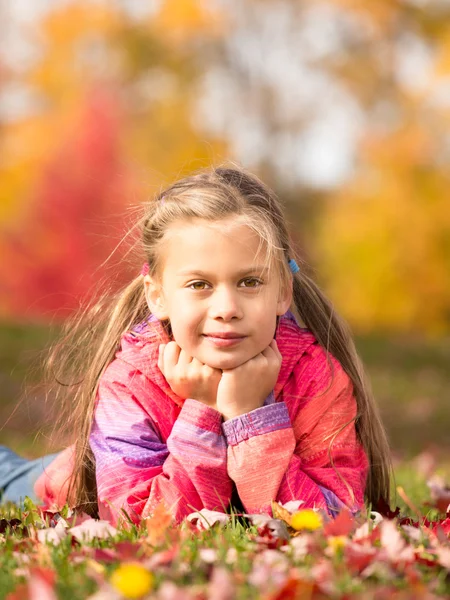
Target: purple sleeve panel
[
  {"x": 136, "y": 470},
  {"x": 270, "y": 399},
  {"x": 197, "y": 442},
  {"x": 334, "y": 504},
  {"x": 269, "y": 418}
]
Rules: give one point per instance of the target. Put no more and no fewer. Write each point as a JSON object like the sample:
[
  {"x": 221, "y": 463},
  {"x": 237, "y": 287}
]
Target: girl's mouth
[{"x": 224, "y": 342}]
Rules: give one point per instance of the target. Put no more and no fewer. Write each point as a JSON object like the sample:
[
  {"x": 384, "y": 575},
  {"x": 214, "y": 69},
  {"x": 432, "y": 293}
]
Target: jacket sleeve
[
  {"x": 273, "y": 455},
  {"x": 136, "y": 471}
]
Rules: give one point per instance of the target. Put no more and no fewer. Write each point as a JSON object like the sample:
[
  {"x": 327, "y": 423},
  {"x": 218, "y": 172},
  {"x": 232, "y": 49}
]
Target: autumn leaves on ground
[{"x": 296, "y": 554}]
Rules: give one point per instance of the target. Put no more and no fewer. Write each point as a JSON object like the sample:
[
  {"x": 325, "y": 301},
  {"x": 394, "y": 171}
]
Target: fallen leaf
[
  {"x": 443, "y": 555},
  {"x": 343, "y": 524},
  {"x": 9, "y": 523},
  {"x": 53, "y": 535},
  {"x": 293, "y": 505},
  {"x": 157, "y": 525},
  {"x": 41, "y": 584},
  {"x": 205, "y": 519},
  {"x": 394, "y": 545},
  {"x": 221, "y": 586},
  {"x": 169, "y": 591},
  {"x": 294, "y": 589},
  {"x": 358, "y": 557},
  {"x": 439, "y": 492},
  {"x": 279, "y": 512},
  {"x": 91, "y": 529},
  {"x": 276, "y": 527}
]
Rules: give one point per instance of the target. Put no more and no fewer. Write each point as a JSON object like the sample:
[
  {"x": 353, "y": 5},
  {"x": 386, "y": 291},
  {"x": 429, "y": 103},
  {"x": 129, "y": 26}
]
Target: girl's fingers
[
  {"x": 184, "y": 358},
  {"x": 161, "y": 357},
  {"x": 274, "y": 346},
  {"x": 171, "y": 354},
  {"x": 271, "y": 349}
]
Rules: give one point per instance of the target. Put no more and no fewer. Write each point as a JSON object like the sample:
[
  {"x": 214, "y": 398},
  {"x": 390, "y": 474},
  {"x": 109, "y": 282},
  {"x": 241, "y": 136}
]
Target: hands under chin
[
  {"x": 245, "y": 387},
  {"x": 232, "y": 392}
]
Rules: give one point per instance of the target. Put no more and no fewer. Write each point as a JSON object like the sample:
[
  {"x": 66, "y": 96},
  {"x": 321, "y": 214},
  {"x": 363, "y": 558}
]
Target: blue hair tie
[{"x": 293, "y": 266}]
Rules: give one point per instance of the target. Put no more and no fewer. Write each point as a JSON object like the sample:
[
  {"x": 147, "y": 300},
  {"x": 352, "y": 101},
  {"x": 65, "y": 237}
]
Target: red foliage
[
  {"x": 75, "y": 220},
  {"x": 343, "y": 524}
]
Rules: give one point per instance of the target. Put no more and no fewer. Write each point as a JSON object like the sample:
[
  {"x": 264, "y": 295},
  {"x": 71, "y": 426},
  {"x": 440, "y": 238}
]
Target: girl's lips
[{"x": 224, "y": 342}]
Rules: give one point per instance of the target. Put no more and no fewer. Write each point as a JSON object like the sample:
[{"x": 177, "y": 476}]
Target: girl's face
[{"x": 213, "y": 284}]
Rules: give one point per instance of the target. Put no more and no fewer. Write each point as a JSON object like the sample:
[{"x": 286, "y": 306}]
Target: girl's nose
[{"x": 225, "y": 305}]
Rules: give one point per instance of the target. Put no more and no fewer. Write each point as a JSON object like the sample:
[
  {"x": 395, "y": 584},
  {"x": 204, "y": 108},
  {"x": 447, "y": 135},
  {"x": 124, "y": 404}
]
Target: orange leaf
[{"x": 158, "y": 524}]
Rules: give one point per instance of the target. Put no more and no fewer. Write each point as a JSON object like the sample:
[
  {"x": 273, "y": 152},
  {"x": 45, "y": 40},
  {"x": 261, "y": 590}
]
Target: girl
[{"x": 221, "y": 375}]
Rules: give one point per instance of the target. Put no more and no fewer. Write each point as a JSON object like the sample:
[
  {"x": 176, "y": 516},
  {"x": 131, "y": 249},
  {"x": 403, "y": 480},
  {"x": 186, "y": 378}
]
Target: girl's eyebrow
[{"x": 198, "y": 273}]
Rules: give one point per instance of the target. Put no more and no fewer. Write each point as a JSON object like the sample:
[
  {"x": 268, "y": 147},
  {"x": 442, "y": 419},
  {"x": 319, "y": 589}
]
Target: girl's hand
[
  {"x": 187, "y": 376},
  {"x": 245, "y": 388}
]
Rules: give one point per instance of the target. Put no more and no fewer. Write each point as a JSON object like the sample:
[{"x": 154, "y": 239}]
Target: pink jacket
[{"x": 151, "y": 446}]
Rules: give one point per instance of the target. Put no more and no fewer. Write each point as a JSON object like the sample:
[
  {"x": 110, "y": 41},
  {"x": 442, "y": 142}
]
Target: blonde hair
[{"x": 93, "y": 336}]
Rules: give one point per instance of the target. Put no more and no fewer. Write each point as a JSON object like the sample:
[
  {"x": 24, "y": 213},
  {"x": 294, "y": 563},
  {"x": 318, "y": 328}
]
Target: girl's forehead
[
  {"x": 199, "y": 232},
  {"x": 223, "y": 242},
  {"x": 230, "y": 224}
]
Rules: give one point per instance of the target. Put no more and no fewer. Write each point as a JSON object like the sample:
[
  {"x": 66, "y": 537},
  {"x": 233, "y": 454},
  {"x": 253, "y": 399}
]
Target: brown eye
[
  {"x": 197, "y": 283},
  {"x": 256, "y": 282}
]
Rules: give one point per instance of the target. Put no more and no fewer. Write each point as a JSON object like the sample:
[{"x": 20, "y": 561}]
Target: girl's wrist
[
  {"x": 212, "y": 405},
  {"x": 237, "y": 411}
]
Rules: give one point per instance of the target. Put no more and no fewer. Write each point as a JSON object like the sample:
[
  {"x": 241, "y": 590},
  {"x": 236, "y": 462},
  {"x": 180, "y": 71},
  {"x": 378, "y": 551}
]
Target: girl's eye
[
  {"x": 197, "y": 283},
  {"x": 256, "y": 282},
  {"x": 200, "y": 285}
]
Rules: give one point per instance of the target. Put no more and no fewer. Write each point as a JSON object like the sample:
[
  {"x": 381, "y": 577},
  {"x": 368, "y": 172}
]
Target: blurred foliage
[
  {"x": 113, "y": 100},
  {"x": 117, "y": 112},
  {"x": 384, "y": 236}
]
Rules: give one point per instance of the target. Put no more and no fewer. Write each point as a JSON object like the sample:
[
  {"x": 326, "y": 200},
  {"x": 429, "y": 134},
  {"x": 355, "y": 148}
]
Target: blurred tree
[
  {"x": 384, "y": 240},
  {"x": 112, "y": 105}
]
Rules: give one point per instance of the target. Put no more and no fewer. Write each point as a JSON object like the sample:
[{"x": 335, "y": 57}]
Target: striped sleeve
[{"x": 136, "y": 471}]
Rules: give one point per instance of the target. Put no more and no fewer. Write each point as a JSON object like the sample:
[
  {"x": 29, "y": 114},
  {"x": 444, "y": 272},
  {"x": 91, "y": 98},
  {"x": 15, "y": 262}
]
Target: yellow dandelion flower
[
  {"x": 132, "y": 580},
  {"x": 306, "y": 519}
]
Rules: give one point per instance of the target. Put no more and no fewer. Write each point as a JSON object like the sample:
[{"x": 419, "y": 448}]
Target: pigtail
[
  {"x": 89, "y": 343},
  {"x": 333, "y": 333}
]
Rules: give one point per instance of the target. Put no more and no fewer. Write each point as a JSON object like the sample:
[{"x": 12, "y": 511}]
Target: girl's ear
[
  {"x": 154, "y": 295},
  {"x": 284, "y": 299}
]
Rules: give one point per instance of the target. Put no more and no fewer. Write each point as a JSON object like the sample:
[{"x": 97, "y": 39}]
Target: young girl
[{"x": 220, "y": 376}]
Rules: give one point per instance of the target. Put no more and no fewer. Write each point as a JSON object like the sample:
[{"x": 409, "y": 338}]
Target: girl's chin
[{"x": 222, "y": 362}]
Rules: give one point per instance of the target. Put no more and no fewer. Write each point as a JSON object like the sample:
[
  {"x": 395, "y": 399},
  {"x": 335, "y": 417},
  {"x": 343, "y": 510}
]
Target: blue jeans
[{"x": 18, "y": 475}]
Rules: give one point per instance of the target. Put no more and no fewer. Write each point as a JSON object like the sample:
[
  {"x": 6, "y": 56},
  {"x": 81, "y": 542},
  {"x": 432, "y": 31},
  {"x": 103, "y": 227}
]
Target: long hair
[{"x": 93, "y": 336}]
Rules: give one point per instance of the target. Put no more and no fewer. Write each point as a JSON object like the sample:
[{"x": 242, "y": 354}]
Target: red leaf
[
  {"x": 294, "y": 589},
  {"x": 384, "y": 509},
  {"x": 268, "y": 539},
  {"x": 342, "y": 525},
  {"x": 163, "y": 558},
  {"x": 443, "y": 525},
  {"x": 42, "y": 584},
  {"x": 105, "y": 555},
  {"x": 128, "y": 550},
  {"x": 358, "y": 557}
]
